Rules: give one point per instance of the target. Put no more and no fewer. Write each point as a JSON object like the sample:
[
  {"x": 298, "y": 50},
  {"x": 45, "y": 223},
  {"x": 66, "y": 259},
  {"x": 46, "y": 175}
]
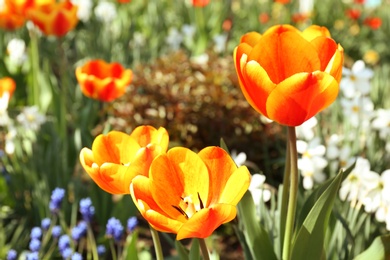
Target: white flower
[
  {"x": 4, "y": 99},
  {"x": 312, "y": 162},
  {"x": 84, "y": 9},
  {"x": 188, "y": 31},
  {"x": 16, "y": 49},
  {"x": 138, "y": 39},
  {"x": 356, "y": 81},
  {"x": 30, "y": 118},
  {"x": 259, "y": 190},
  {"x": 201, "y": 59},
  {"x": 377, "y": 191},
  {"x": 306, "y": 130},
  {"x": 105, "y": 12},
  {"x": 382, "y": 123},
  {"x": 334, "y": 151},
  {"x": 354, "y": 186},
  {"x": 174, "y": 39},
  {"x": 306, "y": 6},
  {"x": 239, "y": 158},
  {"x": 9, "y": 140},
  {"x": 220, "y": 43},
  {"x": 358, "y": 111}
]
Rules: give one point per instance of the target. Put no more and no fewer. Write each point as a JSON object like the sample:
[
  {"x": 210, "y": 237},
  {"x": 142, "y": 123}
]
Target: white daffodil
[
  {"x": 306, "y": 130},
  {"x": 84, "y": 9},
  {"x": 354, "y": 187},
  {"x": 238, "y": 158},
  {"x": 4, "y": 99},
  {"x": 358, "y": 111},
  {"x": 356, "y": 81},
  {"x": 381, "y": 123},
  {"x": 30, "y": 118},
  {"x": 105, "y": 12},
  {"x": 312, "y": 162},
  {"x": 16, "y": 49},
  {"x": 377, "y": 191},
  {"x": 259, "y": 191}
]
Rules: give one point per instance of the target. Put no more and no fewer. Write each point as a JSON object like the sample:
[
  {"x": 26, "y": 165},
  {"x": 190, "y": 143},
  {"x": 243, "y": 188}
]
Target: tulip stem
[
  {"x": 157, "y": 244},
  {"x": 203, "y": 248},
  {"x": 292, "y": 202}
]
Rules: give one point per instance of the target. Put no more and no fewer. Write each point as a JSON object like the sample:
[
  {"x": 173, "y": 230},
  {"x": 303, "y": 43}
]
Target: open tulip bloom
[
  {"x": 116, "y": 158},
  {"x": 190, "y": 194},
  {"x": 288, "y": 75}
]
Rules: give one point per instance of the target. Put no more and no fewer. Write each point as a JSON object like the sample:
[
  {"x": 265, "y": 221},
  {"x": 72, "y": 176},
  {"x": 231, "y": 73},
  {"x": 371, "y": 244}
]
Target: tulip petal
[
  {"x": 203, "y": 223},
  {"x": 220, "y": 166},
  {"x": 115, "y": 178},
  {"x": 251, "y": 38},
  {"x": 326, "y": 48},
  {"x": 236, "y": 186},
  {"x": 105, "y": 147},
  {"x": 284, "y": 53},
  {"x": 178, "y": 174},
  {"x": 162, "y": 223},
  {"x": 257, "y": 86},
  {"x": 146, "y": 134},
  {"x": 314, "y": 31},
  {"x": 300, "y": 97}
]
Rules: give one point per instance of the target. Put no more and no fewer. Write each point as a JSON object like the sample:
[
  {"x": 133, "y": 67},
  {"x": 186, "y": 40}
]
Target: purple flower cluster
[
  {"x": 45, "y": 224},
  {"x": 64, "y": 246},
  {"x": 12, "y": 254},
  {"x": 114, "y": 229},
  {"x": 132, "y": 223},
  {"x": 56, "y": 198},
  {"x": 79, "y": 231},
  {"x": 35, "y": 236},
  {"x": 86, "y": 209}
]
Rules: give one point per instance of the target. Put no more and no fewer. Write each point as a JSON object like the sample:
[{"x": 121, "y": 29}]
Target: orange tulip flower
[
  {"x": 22, "y": 6},
  {"x": 7, "y": 85},
  {"x": 116, "y": 158},
  {"x": 287, "y": 75},
  {"x": 200, "y": 3},
  {"x": 10, "y": 20},
  {"x": 103, "y": 81},
  {"x": 190, "y": 194},
  {"x": 54, "y": 18}
]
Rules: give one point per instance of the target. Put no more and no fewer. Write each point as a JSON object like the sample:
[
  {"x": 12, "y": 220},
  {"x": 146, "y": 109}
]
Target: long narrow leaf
[{"x": 379, "y": 249}]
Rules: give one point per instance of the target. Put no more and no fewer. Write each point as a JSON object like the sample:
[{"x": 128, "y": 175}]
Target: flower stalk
[
  {"x": 157, "y": 244},
  {"x": 292, "y": 161},
  {"x": 203, "y": 249}
]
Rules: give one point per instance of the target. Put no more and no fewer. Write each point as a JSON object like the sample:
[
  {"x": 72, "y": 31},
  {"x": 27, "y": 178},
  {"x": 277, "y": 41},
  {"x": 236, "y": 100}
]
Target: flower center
[{"x": 187, "y": 207}]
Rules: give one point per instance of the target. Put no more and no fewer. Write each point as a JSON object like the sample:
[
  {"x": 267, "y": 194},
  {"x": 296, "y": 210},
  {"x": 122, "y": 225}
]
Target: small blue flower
[
  {"x": 56, "y": 199},
  {"x": 36, "y": 233},
  {"x": 101, "y": 250},
  {"x": 35, "y": 245},
  {"x": 56, "y": 231},
  {"x": 12, "y": 254},
  {"x": 66, "y": 253},
  {"x": 32, "y": 256},
  {"x": 79, "y": 231},
  {"x": 45, "y": 223},
  {"x": 132, "y": 224},
  {"x": 86, "y": 209},
  {"x": 77, "y": 256},
  {"x": 63, "y": 242},
  {"x": 114, "y": 229}
]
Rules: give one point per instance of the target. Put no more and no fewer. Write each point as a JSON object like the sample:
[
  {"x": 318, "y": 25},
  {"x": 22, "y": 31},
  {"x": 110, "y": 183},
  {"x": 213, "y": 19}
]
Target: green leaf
[
  {"x": 181, "y": 250},
  {"x": 309, "y": 242},
  {"x": 194, "y": 251},
  {"x": 256, "y": 237},
  {"x": 131, "y": 247},
  {"x": 379, "y": 249}
]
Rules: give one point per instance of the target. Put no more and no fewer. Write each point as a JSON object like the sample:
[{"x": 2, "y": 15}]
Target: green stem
[
  {"x": 92, "y": 242},
  {"x": 157, "y": 244},
  {"x": 203, "y": 248},
  {"x": 285, "y": 190},
  {"x": 292, "y": 203},
  {"x": 33, "y": 97},
  {"x": 113, "y": 251}
]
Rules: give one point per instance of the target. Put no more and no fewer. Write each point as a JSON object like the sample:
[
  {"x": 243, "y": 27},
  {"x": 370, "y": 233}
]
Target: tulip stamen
[
  {"x": 200, "y": 201},
  {"x": 181, "y": 211}
]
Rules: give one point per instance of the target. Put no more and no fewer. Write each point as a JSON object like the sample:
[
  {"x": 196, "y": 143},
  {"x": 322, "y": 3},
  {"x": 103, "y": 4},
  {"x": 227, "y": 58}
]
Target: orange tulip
[
  {"x": 200, "y": 3},
  {"x": 287, "y": 75},
  {"x": 54, "y": 18},
  {"x": 7, "y": 85},
  {"x": 116, "y": 158},
  {"x": 103, "y": 81},
  {"x": 190, "y": 194},
  {"x": 22, "y": 6},
  {"x": 9, "y": 20}
]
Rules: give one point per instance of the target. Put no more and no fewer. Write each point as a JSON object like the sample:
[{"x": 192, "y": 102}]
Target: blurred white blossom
[
  {"x": 306, "y": 130},
  {"x": 4, "y": 99},
  {"x": 259, "y": 190},
  {"x": 220, "y": 43},
  {"x": 174, "y": 39},
  {"x": 238, "y": 158},
  {"x": 381, "y": 123},
  {"x": 105, "y": 12},
  {"x": 358, "y": 111},
  {"x": 30, "y": 118},
  {"x": 84, "y": 9},
  {"x": 16, "y": 49},
  {"x": 378, "y": 191},
  {"x": 356, "y": 81},
  {"x": 312, "y": 162},
  {"x": 9, "y": 140}
]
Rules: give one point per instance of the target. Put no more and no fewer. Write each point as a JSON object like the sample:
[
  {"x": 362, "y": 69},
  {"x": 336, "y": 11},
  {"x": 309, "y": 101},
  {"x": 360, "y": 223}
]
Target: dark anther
[
  {"x": 180, "y": 210},
  {"x": 200, "y": 200}
]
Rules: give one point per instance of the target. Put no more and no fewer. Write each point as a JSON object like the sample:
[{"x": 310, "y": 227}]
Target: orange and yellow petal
[
  {"x": 145, "y": 135},
  {"x": 141, "y": 194},
  {"x": 300, "y": 97},
  {"x": 314, "y": 31},
  {"x": 236, "y": 186},
  {"x": 203, "y": 223},
  {"x": 106, "y": 148},
  {"x": 251, "y": 38}
]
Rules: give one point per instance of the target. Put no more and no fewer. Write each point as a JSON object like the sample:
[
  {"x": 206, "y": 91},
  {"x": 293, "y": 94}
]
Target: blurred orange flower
[
  {"x": 190, "y": 194},
  {"x": 124, "y": 1},
  {"x": 116, "y": 158},
  {"x": 54, "y": 18},
  {"x": 22, "y": 6},
  {"x": 354, "y": 14},
  {"x": 373, "y": 22},
  {"x": 10, "y": 20},
  {"x": 7, "y": 85},
  {"x": 103, "y": 81},
  {"x": 288, "y": 75},
  {"x": 200, "y": 3}
]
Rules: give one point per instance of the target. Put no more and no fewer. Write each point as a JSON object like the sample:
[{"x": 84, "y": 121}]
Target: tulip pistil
[
  {"x": 187, "y": 207},
  {"x": 181, "y": 211}
]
